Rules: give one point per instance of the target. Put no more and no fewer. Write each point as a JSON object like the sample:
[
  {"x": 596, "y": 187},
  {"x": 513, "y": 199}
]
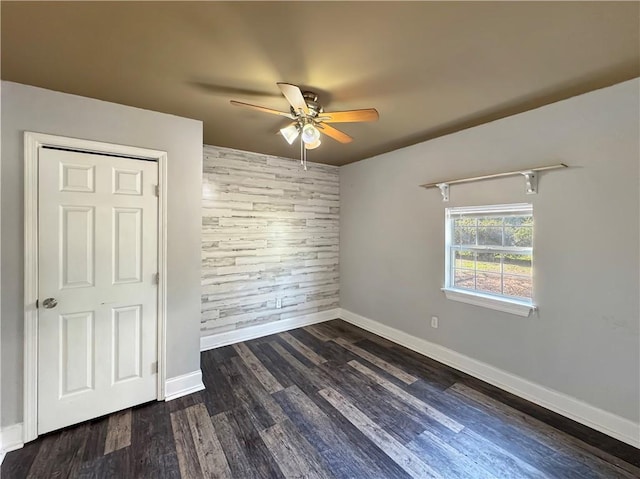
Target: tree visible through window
[{"x": 490, "y": 250}]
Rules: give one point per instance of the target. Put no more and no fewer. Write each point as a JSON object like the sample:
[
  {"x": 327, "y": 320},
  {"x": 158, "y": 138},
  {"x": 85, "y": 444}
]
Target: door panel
[
  {"x": 77, "y": 177},
  {"x": 76, "y": 353},
  {"x": 127, "y": 245},
  {"x": 127, "y": 342},
  {"x": 127, "y": 182},
  {"x": 97, "y": 256},
  {"x": 76, "y": 246}
]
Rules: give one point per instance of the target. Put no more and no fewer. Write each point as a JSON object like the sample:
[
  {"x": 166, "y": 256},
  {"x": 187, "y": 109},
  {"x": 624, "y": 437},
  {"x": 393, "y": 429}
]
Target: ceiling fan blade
[
  {"x": 263, "y": 109},
  {"x": 369, "y": 114},
  {"x": 294, "y": 96},
  {"x": 334, "y": 133}
]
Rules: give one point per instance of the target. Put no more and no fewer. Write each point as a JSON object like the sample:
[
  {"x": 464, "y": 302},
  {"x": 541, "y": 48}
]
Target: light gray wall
[
  {"x": 585, "y": 340},
  {"x": 269, "y": 230},
  {"x": 27, "y": 108},
  {"x": 1, "y": 215}
]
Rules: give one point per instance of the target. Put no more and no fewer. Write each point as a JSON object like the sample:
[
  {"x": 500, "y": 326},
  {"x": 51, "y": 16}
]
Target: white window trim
[
  {"x": 499, "y": 303},
  {"x": 506, "y": 305},
  {"x": 490, "y": 209}
]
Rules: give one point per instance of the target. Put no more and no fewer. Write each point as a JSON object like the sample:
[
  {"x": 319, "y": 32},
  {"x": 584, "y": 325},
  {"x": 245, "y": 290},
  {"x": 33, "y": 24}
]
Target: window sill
[{"x": 512, "y": 306}]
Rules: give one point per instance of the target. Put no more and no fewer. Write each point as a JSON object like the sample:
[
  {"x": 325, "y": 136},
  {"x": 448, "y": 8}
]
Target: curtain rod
[
  {"x": 528, "y": 173},
  {"x": 494, "y": 175}
]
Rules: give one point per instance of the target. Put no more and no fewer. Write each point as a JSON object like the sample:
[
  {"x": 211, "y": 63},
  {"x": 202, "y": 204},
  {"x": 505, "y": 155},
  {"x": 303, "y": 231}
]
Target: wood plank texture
[
  {"x": 118, "y": 431},
  {"x": 450, "y": 462},
  {"x": 317, "y": 332},
  {"x": 596, "y": 458},
  {"x": 270, "y": 231},
  {"x": 295, "y": 456},
  {"x": 211, "y": 457},
  {"x": 187, "y": 458},
  {"x": 304, "y": 350},
  {"x": 407, "y": 460},
  {"x": 408, "y": 398},
  {"x": 328, "y": 401},
  {"x": 346, "y": 458},
  {"x": 382, "y": 364},
  {"x": 270, "y": 383}
]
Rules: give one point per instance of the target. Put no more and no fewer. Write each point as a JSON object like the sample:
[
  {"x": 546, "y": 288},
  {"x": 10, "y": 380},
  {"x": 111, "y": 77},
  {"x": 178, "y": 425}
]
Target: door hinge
[
  {"x": 157, "y": 190},
  {"x": 156, "y": 278},
  {"x": 154, "y": 367}
]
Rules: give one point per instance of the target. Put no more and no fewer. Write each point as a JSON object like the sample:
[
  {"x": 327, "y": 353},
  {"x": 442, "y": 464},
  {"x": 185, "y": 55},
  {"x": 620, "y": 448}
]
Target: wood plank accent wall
[{"x": 270, "y": 230}]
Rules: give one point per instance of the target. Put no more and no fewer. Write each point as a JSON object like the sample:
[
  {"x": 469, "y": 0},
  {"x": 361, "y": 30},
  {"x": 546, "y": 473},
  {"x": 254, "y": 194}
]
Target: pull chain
[
  {"x": 301, "y": 151},
  {"x": 303, "y": 155}
]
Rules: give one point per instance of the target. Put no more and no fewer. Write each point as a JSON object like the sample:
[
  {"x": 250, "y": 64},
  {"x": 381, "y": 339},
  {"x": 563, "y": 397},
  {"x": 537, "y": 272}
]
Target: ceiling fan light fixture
[
  {"x": 310, "y": 119},
  {"x": 310, "y": 134},
  {"x": 313, "y": 146},
  {"x": 290, "y": 133}
]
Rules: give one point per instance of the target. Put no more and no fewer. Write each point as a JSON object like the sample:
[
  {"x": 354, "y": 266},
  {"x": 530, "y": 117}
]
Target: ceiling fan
[{"x": 310, "y": 119}]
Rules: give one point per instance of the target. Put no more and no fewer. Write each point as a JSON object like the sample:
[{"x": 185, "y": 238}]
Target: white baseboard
[
  {"x": 252, "y": 332},
  {"x": 611, "y": 424},
  {"x": 10, "y": 439},
  {"x": 182, "y": 385}
]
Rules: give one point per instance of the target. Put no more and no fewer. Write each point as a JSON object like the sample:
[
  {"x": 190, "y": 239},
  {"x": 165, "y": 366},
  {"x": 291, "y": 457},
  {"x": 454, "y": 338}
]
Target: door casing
[{"x": 32, "y": 144}]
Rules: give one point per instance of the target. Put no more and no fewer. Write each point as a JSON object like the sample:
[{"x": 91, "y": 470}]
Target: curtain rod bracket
[
  {"x": 444, "y": 189},
  {"x": 531, "y": 182}
]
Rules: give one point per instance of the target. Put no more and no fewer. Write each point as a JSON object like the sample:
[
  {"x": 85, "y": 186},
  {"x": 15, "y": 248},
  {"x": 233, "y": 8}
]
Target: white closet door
[{"x": 98, "y": 259}]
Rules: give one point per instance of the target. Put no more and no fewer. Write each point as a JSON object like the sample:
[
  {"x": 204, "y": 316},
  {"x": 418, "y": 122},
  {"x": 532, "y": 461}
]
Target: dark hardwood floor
[{"x": 328, "y": 401}]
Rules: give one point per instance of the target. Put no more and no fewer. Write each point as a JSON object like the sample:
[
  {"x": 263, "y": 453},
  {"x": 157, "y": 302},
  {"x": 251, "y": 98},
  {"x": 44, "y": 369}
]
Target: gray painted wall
[
  {"x": 27, "y": 108},
  {"x": 585, "y": 340},
  {"x": 269, "y": 231}
]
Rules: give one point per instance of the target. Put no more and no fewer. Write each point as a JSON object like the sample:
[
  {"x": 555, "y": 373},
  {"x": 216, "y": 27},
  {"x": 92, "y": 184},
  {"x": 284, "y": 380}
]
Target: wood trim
[
  {"x": 10, "y": 439},
  {"x": 506, "y": 305},
  {"x": 183, "y": 385},
  {"x": 252, "y": 332},
  {"x": 608, "y": 423},
  {"x": 162, "y": 270},
  {"x": 32, "y": 143}
]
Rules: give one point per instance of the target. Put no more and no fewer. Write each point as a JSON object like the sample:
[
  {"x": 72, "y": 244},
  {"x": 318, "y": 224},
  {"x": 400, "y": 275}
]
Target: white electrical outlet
[
  {"x": 278, "y": 303},
  {"x": 434, "y": 321}
]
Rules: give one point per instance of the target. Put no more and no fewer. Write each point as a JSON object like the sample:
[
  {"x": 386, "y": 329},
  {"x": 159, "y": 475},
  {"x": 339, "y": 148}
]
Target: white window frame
[{"x": 519, "y": 307}]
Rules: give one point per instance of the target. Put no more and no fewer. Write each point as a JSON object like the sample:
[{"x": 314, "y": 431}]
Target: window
[{"x": 489, "y": 256}]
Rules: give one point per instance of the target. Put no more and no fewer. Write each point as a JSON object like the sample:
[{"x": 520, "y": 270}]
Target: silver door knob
[{"x": 50, "y": 303}]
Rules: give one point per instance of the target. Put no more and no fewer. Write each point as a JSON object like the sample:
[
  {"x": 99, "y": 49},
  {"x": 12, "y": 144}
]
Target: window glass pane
[
  {"x": 464, "y": 236},
  {"x": 518, "y": 286},
  {"x": 489, "y": 262},
  {"x": 460, "y": 222},
  {"x": 517, "y": 264},
  {"x": 464, "y": 259},
  {"x": 489, "y": 283},
  {"x": 518, "y": 236},
  {"x": 464, "y": 279},
  {"x": 490, "y": 221},
  {"x": 497, "y": 272},
  {"x": 518, "y": 220},
  {"x": 490, "y": 235}
]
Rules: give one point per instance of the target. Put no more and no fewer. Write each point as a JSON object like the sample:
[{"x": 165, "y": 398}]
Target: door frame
[{"x": 32, "y": 144}]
